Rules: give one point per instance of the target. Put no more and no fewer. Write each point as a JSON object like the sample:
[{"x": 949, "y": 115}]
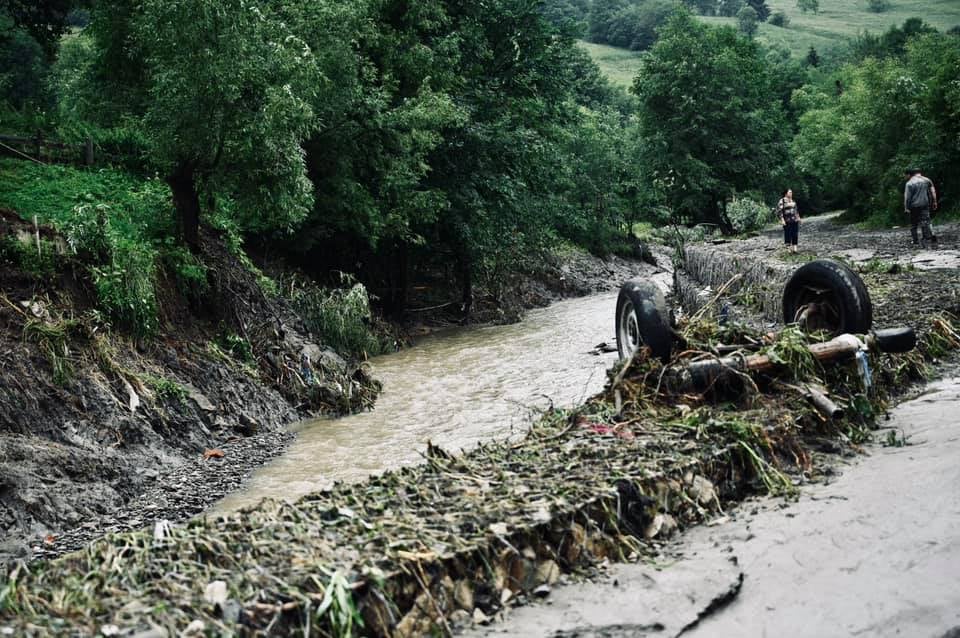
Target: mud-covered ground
[
  {"x": 869, "y": 550},
  {"x": 905, "y": 281}
]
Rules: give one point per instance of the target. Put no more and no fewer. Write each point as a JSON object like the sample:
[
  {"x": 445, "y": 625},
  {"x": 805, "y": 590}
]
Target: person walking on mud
[
  {"x": 919, "y": 198},
  {"x": 789, "y": 219}
]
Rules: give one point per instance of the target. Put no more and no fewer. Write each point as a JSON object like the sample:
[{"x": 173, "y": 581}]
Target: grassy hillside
[
  {"x": 619, "y": 65},
  {"x": 839, "y": 21}
]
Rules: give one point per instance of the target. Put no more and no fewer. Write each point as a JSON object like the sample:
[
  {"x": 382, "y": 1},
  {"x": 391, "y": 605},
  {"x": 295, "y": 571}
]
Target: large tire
[
  {"x": 826, "y": 295},
  {"x": 643, "y": 320}
]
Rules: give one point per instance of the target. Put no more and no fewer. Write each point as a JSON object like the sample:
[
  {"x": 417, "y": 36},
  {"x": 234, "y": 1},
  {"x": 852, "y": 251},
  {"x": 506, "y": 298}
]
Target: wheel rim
[
  {"x": 628, "y": 336},
  {"x": 819, "y": 310}
]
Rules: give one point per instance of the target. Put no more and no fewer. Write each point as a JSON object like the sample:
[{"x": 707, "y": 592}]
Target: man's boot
[{"x": 913, "y": 233}]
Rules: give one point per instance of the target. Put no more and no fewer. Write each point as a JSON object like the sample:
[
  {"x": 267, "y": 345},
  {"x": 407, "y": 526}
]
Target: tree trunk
[
  {"x": 400, "y": 279},
  {"x": 186, "y": 201},
  {"x": 466, "y": 283}
]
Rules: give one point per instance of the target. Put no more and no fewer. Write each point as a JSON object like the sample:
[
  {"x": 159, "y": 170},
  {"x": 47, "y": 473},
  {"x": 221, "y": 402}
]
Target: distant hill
[
  {"x": 839, "y": 21},
  {"x": 830, "y": 29}
]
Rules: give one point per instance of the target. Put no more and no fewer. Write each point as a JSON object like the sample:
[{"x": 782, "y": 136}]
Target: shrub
[
  {"x": 878, "y": 6},
  {"x": 748, "y": 215},
  {"x": 779, "y": 19},
  {"x": 340, "y": 316}
]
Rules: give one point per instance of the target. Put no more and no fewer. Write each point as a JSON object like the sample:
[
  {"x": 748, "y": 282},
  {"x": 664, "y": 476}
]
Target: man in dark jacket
[{"x": 919, "y": 198}]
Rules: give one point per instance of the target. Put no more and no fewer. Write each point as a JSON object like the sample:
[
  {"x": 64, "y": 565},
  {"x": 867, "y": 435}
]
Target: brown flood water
[{"x": 456, "y": 389}]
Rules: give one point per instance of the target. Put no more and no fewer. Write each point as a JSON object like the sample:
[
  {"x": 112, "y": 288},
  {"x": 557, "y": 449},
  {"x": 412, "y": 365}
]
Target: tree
[
  {"x": 44, "y": 20},
  {"x": 813, "y": 58},
  {"x": 760, "y": 6},
  {"x": 708, "y": 125},
  {"x": 893, "y": 113},
  {"x": 229, "y": 87},
  {"x": 747, "y": 20},
  {"x": 808, "y": 5},
  {"x": 730, "y": 8}
]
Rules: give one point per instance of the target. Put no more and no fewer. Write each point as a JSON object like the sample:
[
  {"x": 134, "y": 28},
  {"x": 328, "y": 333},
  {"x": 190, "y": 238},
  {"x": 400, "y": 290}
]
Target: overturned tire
[
  {"x": 643, "y": 320},
  {"x": 826, "y": 295}
]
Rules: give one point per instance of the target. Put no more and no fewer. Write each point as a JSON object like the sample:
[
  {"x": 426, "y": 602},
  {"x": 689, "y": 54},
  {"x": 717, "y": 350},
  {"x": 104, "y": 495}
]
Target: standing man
[{"x": 919, "y": 198}]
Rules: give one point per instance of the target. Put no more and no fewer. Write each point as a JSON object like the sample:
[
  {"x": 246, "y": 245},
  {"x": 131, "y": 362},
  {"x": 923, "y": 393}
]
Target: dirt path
[{"x": 874, "y": 553}]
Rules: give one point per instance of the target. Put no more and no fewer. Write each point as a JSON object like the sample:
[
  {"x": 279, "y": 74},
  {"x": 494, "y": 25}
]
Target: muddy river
[{"x": 455, "y": 388}]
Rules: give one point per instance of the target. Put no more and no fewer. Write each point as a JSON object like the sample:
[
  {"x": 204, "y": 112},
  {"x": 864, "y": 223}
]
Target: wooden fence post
[
  {"x": 88, "y": 151},
  {"x": 38, "y": 145}
]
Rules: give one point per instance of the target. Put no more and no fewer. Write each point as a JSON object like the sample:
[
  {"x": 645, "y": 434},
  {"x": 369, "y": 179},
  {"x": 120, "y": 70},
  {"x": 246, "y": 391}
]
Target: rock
[
  {"x": 196, "y": 628},
  {"x": 654, "y": 527},
  {"x": 670, "y": 526},
  {"x": 331, "y": 362},
  {"x": 505, "y": 595},
  {"x": 542, "y": 591},
  {"x": 702, "y": 491},
  {"x": 110, "y": 630},
  {"x": 460, "y": 618},
  {"x": 246, "y": 425},
  {"x": 199, "y": 398},
  {"x": 548, "y": 572}
]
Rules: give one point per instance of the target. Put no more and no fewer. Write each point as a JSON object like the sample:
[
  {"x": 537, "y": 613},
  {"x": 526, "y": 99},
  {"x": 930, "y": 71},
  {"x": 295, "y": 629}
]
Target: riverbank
[
  {"x": 468, "y": 534},
  {"x": 102, "y": 433}
]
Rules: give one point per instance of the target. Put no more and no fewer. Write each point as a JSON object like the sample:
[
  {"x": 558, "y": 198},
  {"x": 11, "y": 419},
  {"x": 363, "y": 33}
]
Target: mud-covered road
[{"x": 875, "y": 552}]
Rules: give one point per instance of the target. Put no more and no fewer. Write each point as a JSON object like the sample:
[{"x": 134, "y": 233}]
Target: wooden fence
[{"x": 42, "y": 150}]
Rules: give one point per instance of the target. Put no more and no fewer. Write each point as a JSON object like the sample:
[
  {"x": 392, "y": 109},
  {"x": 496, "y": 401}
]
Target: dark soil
[{"x": 99, "y": 432}]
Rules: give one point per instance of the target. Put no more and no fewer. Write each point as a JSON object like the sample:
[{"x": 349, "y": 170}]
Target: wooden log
[{"x": 698, "y": 376}]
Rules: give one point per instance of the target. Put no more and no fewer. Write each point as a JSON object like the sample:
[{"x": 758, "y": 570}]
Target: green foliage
[
  {"x": 237, "y": 347},
  {"x": 23, "y": 65},
  {"x": 125, "y": 286},
  {"x": 878, "y": 6},
  {"x": 726, "y": 134},
  {"x": 779, "y": 19},
  {"x": 747, "y": 20},
  {"x": 166, "y": 388},
  {"x": 892, "y": 113},
  {"x": 340, "y": 316},
  {"x": 111, "y": 221},
  {"x": 808, "y": 5},
  {"x": 747, "y": 215},
  {"x": 627, "y": 24},
  {"x": 42, "y": 262}
]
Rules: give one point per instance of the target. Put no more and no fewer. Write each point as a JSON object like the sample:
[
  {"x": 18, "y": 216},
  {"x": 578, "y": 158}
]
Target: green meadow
[
  {"x": 840, "y": 21},
  {"x": 619, "y": 65}
]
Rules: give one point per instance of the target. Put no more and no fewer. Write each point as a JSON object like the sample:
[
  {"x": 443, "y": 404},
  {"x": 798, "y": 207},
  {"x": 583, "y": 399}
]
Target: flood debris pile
[{"x": 460, "y": 537}]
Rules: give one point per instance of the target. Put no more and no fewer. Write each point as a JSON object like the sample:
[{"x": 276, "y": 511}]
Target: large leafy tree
[
  {"x": 710, "y": 124},
  {"x": 222, "y": 91}
]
